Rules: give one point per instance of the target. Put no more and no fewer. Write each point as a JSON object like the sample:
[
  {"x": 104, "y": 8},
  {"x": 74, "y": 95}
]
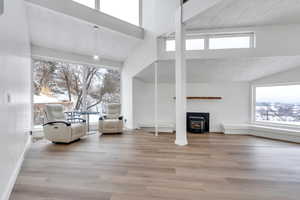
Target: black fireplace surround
[{"x": 197, "y": 122}]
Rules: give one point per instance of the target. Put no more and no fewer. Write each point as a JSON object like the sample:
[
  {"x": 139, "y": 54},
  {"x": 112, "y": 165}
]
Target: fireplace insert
[{"x": 197, "y": 122}]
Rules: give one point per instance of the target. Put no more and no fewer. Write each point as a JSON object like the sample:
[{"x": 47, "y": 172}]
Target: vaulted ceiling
[
  {"x": 241, "y": 13},
  {"x": 222, "y": 70},
  {"x": 55, "y": 30}
]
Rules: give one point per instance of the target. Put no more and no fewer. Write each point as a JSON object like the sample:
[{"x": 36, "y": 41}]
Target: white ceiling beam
[
  {"x": 38, "y": 52},
  {"x": 91, "y": 16},
  {"x": 193, "y": 8}
]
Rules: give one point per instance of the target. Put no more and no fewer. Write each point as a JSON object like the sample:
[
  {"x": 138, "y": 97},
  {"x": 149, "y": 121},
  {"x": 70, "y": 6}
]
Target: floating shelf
[{"x": 203, "y": 98}]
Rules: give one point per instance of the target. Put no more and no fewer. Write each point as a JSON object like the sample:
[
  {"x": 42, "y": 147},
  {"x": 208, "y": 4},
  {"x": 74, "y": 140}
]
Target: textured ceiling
[
  {"x": 240, "y": 13},
  {"x": 57, "y": 31},
  {"x": 222, "y": 70}
]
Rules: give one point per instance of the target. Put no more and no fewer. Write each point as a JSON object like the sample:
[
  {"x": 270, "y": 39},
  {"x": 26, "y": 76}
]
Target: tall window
[
  {"x": 63, "y": 83},
  {"x": 278, "y": 104},
  {"x": 127, "y": 10}
]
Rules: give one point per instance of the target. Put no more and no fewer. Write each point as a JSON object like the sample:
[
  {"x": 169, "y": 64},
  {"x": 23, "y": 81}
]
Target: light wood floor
[{"x": 139, "y": 166}]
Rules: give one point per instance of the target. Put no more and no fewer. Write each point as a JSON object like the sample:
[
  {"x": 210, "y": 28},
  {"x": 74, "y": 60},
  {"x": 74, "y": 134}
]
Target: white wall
[
  {"x": 143, "y": 99},
  {"x": 15, "y": 116},
  {"x": 289, "y": 76},
  {"x": 158, "y": 18},
  {"x": 233, "y": 108}
]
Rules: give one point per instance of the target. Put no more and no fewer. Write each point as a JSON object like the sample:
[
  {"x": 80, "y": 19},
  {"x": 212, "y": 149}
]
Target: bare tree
[
  {"x": 110, "y": 86},
  {"x": 43, "y": 75},
  {"x": 66, "y": 78}
]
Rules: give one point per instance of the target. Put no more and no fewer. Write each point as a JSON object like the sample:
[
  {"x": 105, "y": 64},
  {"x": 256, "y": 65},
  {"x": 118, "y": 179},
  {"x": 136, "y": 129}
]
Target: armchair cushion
[
  {"x": 54, "y": 112},
  {"x": 58, "y": 130},
  {"x": 111, "y": 122}
]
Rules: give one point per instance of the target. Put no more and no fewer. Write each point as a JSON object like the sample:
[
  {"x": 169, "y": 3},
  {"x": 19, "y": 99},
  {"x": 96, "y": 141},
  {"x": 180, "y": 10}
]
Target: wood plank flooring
[{"x": 139, "y": 166}]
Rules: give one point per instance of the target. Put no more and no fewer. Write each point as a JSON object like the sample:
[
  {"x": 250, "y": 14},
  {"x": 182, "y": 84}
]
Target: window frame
[
  {"x": 253, "y": 106},
  {"x": 98, "y": 8},
  {"x": 187, "y": 38},
  {"x": 251, "y": 36},
  {"x": 37, "y": 128},
  {"x": 194, "y": 37},
  {"x": 207, "y": 37}
]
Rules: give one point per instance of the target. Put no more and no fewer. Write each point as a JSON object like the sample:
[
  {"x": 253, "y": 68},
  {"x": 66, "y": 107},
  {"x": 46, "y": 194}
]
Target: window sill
[
  {"x": 254, "y": 128},
  {"x": 277, "y": 125}
]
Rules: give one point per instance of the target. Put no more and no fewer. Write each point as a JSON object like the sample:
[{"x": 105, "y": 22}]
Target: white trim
[
  {"x": 275, "y": 84},
  {"x": 253, "y": 106},
  {"x": 141, "y": 13},
  {"x": 156, "y": 98},
  {"x": 91, "y": 16},
  {"x": 31, "y": 96},
  {"x": 13, "y": 178},
  {"x": 280, "y": 133},
  {"x": 207, "y": 36}
]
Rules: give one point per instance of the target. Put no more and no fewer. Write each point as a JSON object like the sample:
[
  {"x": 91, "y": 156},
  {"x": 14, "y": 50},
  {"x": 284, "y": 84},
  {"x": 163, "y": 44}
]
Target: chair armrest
[
  {"x": 57, "y": 122},
  {"x": 103, "y": 117},
  {"x": 79, "y": 119}
]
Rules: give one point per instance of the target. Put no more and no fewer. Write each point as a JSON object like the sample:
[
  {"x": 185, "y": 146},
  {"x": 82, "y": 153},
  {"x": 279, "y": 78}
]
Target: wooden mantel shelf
[{"x": 203, "y": 98}]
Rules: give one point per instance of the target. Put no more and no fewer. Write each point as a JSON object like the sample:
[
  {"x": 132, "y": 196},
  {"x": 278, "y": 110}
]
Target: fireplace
[{"x": 197, "y": 122}]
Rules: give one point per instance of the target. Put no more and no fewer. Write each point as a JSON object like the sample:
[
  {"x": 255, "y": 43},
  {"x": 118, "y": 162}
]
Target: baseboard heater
[{"x": 162, "y": 127}]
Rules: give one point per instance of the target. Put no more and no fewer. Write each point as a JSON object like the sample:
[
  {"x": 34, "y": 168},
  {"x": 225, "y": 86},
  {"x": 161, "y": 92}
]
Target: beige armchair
[
  {"x": 111, "y": 121},
  {"x": 58, "y": 130}
]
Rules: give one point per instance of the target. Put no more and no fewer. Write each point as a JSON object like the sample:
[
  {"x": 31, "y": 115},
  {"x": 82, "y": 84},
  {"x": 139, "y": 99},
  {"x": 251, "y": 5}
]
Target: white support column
[
  {"x": 156, "y": 97},
  {"x": 97, "y": 4},
  {"x": 180, "y": 68}
]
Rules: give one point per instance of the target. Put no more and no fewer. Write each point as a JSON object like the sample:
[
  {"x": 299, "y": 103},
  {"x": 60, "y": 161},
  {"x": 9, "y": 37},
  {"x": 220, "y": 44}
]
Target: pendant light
[{"x": 96, "y": 56}]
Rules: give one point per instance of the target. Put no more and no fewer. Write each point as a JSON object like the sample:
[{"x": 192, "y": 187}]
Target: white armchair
[
  {"x": 111, "y": 121},
  {"x": 58, "y": 130}
]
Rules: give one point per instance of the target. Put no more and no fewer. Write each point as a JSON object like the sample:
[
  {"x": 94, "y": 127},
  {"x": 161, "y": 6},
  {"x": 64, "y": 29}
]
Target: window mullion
[
  {"x": 206, "y": 42},
  {"x": 97, "y": 4}
]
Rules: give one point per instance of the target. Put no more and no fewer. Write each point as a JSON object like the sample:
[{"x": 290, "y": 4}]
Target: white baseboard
[
  {"x": 163, "y": 127},
  {"x": 289, "y": 135},
  {"x": 13, "y": 178},
  {"x": 276, "y": 136}
]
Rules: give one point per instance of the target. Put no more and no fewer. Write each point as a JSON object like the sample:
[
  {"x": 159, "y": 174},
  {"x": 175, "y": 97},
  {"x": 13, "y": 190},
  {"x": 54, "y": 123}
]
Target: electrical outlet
[{"x": 8, "y": 98}]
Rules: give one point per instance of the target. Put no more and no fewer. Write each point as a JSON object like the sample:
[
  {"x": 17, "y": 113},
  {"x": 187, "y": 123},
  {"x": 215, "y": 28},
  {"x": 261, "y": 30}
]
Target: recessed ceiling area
[
  {"x": 54, "y": 30},
  {"x": 221, "y": 70},
  {"x": 242, "y": 13}
]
